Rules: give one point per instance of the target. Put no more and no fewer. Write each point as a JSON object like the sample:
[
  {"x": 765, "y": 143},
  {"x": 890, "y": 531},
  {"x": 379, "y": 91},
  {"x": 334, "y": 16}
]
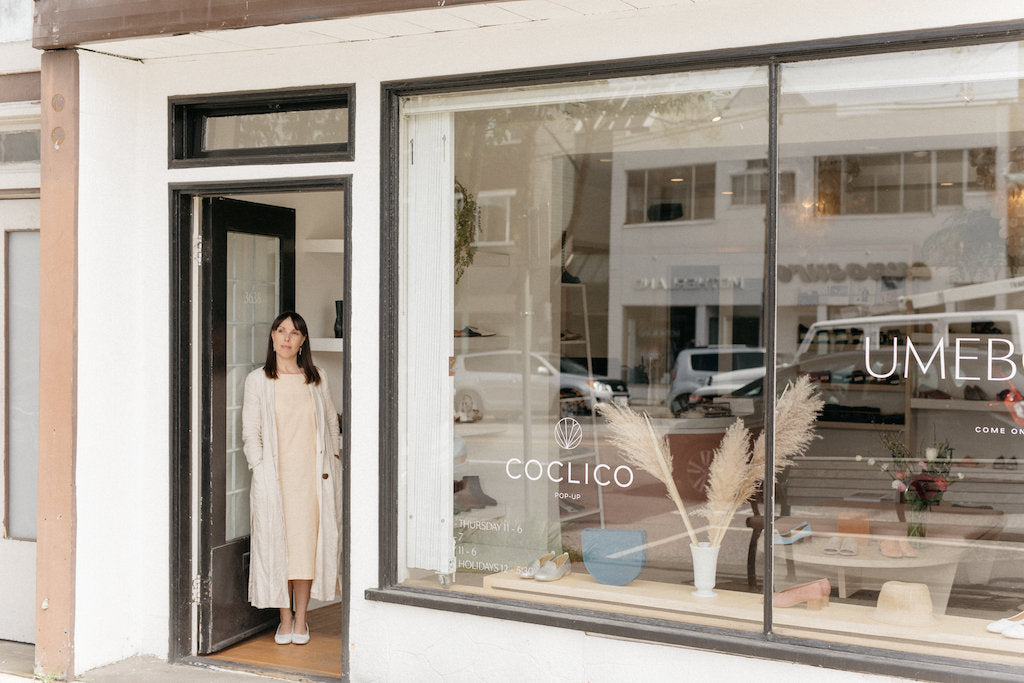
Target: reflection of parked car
[
  {"x": 694, "y": 367},
  {"x": 724, "y": 383},
  {"x": 492, "y": 382}
]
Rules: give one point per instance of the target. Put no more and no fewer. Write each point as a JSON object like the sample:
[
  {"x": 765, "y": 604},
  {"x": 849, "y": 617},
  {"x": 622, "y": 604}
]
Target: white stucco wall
[
  {"x": 122, "y": 460},
  {"x": 15, "y": 20}
]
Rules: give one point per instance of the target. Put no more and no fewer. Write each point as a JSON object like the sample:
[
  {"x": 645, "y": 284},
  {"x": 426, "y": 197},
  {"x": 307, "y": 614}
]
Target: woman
[{"x": 291, "y": 440}]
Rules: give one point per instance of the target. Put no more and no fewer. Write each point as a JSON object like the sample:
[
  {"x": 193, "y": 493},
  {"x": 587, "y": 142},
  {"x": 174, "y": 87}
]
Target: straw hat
[{"x": 904, "y": 604}]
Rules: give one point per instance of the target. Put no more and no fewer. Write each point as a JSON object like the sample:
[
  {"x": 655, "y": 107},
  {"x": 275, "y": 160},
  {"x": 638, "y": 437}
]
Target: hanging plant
[{"x": 465, "y": 229}]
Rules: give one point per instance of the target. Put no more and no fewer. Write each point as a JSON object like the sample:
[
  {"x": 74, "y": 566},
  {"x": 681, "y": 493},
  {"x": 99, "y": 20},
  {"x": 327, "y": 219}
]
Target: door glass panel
[
  {"x": 253, "y": 287},
  {"x": 22, "y": 382}
]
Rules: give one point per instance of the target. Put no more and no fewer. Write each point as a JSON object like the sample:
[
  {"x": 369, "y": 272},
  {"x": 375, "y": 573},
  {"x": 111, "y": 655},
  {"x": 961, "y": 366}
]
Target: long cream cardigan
[{"x": 268, "y": 567}]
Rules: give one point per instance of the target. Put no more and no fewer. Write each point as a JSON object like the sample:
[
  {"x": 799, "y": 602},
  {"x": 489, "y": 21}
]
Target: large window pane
[
  {"x": 604, "y": 261},
  {"x": 899, "y": 295}
]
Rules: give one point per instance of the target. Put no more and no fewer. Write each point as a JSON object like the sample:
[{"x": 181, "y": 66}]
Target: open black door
[{"x": 248, "y": 278}]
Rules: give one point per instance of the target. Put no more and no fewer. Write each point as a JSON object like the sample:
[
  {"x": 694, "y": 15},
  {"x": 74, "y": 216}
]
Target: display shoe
[
  {"x": 797, "y": 533},
  {"x": 1002, "y": 625},
  {"x": 832, "y": 546},
  {"x": 464, "y": 501},
  {"x": 301, "y": 638},
  {"x": 531, "y": 569},
  {"x": 890, "y": 547},
  {"x": 473, "y": 486},
  {"x": 1011, "y": 462},
  {"x": 554, "y": 569},
  {"x": 814, "y": 593},
  {"x": 906, "y": 550},
  {"x": 849, "y": 546},
  {"x": 282, "y": 638},
  {"x": 1016, "y": 632}
]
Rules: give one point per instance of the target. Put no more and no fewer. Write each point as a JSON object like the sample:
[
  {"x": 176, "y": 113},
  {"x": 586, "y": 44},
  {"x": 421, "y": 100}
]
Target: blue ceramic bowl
[{"x": 614, "y": 556}]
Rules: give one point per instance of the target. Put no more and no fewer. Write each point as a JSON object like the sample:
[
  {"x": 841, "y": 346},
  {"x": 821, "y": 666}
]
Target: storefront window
[
  {"x": 569, "y": 247},
  {"x": 899, "y": 295},
  {"x": 572, "y": 285}
]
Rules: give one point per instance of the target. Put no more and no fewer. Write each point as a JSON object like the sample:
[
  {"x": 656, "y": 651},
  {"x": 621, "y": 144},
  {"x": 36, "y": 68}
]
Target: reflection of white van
[{"x": 827, "y": 337}]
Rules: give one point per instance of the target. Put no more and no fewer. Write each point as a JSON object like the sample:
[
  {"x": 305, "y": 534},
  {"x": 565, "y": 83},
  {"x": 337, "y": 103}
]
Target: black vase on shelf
[{"x": 339, "y": 319}]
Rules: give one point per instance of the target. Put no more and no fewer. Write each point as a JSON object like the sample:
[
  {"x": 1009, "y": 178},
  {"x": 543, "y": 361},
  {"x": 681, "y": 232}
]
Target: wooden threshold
[{"x": 321, "y": 657}]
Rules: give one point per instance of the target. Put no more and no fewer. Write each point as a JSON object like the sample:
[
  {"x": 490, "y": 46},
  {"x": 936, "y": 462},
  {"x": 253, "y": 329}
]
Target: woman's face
[{"x": 287, "y": 341}]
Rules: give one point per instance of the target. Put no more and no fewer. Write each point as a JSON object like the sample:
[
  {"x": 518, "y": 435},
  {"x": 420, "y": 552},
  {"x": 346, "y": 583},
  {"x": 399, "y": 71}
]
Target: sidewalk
[{"x": 153, "y": 670}]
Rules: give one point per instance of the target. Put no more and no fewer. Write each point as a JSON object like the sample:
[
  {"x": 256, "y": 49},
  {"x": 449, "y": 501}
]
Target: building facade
[{"x": 499, "y": 218}]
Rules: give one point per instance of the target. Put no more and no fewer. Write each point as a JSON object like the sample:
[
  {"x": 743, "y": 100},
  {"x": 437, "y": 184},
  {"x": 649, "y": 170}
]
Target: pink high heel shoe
[{"x": 814, "y": 593}]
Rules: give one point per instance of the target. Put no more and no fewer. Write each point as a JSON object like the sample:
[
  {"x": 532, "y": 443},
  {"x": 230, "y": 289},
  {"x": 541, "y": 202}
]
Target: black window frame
[
  {"x": 188, "y": 114},
  {"x": 765, "y": 644}
]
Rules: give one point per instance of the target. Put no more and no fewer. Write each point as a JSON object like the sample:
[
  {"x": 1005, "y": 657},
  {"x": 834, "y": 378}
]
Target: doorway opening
[{"x": 242, "y": 253}]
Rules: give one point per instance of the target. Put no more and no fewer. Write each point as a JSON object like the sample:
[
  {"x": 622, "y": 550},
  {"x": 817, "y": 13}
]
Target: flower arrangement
[
  {"x": 737, "y": 469},
  {"x": 921, "y": 480}
]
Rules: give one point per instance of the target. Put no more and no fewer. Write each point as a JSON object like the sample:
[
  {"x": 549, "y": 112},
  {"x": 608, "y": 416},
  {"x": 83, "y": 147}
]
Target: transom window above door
[{"x": 278, "y": 126}]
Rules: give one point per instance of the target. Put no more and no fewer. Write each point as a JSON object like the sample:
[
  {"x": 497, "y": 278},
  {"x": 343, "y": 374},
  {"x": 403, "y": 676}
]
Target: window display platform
[{"x": 852, "y": 624}]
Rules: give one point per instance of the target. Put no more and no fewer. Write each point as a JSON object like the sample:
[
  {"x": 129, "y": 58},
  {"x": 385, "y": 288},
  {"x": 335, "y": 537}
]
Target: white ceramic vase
[{"x": 705, "y": 565}]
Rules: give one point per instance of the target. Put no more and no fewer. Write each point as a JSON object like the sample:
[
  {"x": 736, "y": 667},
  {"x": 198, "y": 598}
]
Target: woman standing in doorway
[{"x": 290, "y": 435}]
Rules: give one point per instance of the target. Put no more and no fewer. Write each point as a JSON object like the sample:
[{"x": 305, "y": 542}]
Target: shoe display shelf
[
  {"x": 331, "y": 249},
  {"x": 850, "y": 623}
]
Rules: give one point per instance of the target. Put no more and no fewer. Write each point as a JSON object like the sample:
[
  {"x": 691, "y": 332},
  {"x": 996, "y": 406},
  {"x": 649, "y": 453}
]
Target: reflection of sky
[{"x": 978, "y": 74}]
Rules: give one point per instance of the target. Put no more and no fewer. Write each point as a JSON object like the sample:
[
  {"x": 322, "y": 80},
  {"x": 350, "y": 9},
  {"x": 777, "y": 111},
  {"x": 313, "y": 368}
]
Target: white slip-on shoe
[
  {"x": 282, "y": 638},
  {"x": 301, "y": 638},
  {"x": 552, "y": 570},
  {"x": 849, "y": 546},
  {"x": 1016, "y": 632},
  {"x": 1002, "y": 625},
  {"x": 832, "y": 546}
]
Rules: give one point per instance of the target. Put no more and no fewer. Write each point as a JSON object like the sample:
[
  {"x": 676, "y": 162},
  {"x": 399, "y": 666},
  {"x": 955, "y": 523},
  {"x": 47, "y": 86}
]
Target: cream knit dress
[{"x": 296, "y": 448}]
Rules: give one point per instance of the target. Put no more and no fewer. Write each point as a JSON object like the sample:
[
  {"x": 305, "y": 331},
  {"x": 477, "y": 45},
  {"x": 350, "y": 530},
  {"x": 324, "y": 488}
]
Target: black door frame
[{"x": 182, "y": 250}]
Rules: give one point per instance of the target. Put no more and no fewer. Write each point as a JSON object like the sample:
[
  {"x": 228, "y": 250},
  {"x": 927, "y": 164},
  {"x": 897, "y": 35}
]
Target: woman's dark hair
[{"x": 305, "y": 358}]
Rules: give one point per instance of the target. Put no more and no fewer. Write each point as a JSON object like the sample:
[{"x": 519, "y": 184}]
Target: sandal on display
[
  {"x": 797, "y": 533},
  {"x": 832, "y": 546},
  {"x": 531, "y": 569},
  {"x": 814, "y": 593},
  {"x": 849, "y": 546},
  {"x": 552, "y": 570}
]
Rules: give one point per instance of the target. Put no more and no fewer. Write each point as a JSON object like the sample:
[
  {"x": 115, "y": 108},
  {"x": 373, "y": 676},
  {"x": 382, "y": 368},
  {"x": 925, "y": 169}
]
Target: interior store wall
[{"x": 123, "y": 450}]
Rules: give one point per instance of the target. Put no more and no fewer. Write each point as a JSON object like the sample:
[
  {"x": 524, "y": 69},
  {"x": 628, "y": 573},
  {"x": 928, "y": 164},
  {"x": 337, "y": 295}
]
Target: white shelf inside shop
[{"x": 327, "y": 344}]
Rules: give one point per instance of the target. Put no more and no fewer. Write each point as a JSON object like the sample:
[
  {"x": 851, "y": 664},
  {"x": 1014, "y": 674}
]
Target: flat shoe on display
[
  {"x": 832, "y": 546},
  {"x": 814, "y": 593},
  {"x": 282, "y": 638},
  {"x": 906, "y": 549},
  {"x": 533, "y": 567},
  {"x": 301, "y": 638},
  {"x": 890, "y": 547},
  {"x": 1006, "y": 623},
  {"x": 1016, "y": 632},
  {"x": 552, "y": 570},
  {"x": 797, "y": 533}
]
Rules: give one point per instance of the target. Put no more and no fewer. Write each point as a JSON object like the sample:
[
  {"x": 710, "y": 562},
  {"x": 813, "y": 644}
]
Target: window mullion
[{"x": 770, "y": 302}]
